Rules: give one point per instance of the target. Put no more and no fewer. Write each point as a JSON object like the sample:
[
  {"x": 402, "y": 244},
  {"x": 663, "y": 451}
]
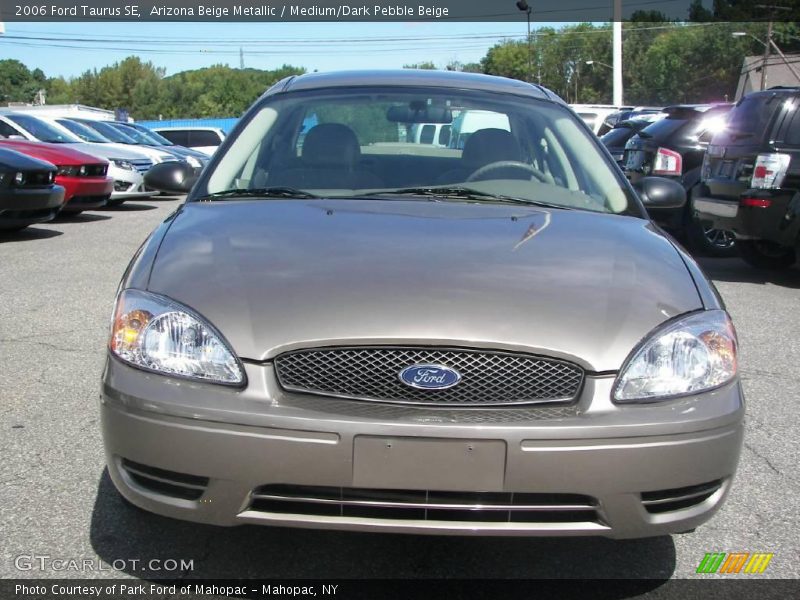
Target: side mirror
[
  {"x": 174, "y": 177},
  {"x": 660, "y": 193}
]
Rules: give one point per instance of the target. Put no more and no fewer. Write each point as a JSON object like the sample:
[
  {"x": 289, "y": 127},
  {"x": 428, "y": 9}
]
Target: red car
[{"x": 83, "y": 176}]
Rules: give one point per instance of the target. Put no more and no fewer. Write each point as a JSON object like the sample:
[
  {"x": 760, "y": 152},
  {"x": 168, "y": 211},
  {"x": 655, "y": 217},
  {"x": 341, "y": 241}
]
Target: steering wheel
[{"x": 508, "y": 164}]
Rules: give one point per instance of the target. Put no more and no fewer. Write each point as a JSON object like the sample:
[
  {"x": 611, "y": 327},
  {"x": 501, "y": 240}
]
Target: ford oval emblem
[{"x": 430, "y": 377}]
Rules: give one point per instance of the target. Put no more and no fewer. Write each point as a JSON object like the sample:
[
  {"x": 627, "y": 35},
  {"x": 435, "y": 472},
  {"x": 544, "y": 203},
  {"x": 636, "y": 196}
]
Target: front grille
[
  {"x": 372, "y": 373},
  {"x": 142, "y": 164},
  {"x": 168, "y": 483},
  {"x": 678, "y": 498},
  {"x": 35, "y": 179},
  {"x": 425, "y": 505}
]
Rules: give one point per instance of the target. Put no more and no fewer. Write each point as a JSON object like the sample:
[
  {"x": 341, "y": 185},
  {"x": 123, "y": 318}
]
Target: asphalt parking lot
[{"x": 57, "y": 284}]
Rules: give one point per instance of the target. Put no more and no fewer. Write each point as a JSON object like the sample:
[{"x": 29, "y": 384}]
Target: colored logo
[
  {"x": 430, "y": 377},
  {"x": 735, "y": 562}
]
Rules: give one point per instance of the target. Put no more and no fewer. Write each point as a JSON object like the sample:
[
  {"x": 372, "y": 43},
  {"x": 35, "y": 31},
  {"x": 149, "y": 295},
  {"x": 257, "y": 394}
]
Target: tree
[
  {"x": 427, "y": 65},
  {"x": 17, "y": 83}
]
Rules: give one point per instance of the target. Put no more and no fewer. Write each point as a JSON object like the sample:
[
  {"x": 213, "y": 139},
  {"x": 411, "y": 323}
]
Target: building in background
[{"x": 778, "y": 73}]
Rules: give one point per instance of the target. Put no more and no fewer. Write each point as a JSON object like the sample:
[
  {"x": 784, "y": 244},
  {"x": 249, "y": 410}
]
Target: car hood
[
  {"x": 58, "y": 154},
  {"x": 13, "y": 160},
  {"x": 108, "y": 150},
  {"x": 275, "y": 275}
]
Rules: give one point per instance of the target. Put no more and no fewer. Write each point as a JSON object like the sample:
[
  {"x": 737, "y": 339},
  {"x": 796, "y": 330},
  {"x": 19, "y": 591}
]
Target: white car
[
  {"x": 125, "y": 165},
  {"x": 594, "y": 114},
  {"x": 109, "y": 132},
  {"x": 202, "y": 139}
]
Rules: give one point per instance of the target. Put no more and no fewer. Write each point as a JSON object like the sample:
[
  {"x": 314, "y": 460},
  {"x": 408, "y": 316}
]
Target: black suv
[
  {"x": 751, "y": 178},
  {"x": 673, "y": 147}
]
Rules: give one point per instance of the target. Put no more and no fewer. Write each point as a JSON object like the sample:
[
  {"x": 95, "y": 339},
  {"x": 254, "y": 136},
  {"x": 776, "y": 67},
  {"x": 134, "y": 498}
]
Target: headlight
[
  {"x": 689, "y": 355},
  {"x": 19, "y": 178},
  {"x": 68, "y": 171},
  {"x": 194, "y": 162},
  {"x": 122, "y": 164},
  {"x": 82, "y": 170},
  {"x": 158, "y": 334}
]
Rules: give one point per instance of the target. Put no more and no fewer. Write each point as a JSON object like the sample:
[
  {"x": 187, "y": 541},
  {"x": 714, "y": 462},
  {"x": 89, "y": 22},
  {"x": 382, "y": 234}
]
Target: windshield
[
  {"x": 359, "y": 141},
  {"x": 132, "y": 133},
  {"x": 42, "y": 131},
  {"x": 107, "y": 131},
  {"x": 152, "y": 135},
  {"x": 83, "y": 132}
]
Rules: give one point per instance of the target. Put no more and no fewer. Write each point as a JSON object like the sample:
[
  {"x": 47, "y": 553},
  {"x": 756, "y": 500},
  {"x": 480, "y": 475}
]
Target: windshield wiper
[
  {"x": 446, "y": 192},
  {"x": 268, "y": 192}
]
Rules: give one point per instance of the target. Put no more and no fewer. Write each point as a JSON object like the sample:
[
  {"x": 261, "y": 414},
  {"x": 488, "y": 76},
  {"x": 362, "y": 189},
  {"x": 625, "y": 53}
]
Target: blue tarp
[{"x": 226, "y": 124}]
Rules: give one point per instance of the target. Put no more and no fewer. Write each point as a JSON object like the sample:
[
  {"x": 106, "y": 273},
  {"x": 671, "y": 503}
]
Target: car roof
[
  {"x": 186, "y": 128},
  {"x": 415, "y": 77}
]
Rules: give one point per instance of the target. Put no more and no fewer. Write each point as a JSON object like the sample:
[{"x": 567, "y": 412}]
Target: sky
[{"x": 315, "y": 46}]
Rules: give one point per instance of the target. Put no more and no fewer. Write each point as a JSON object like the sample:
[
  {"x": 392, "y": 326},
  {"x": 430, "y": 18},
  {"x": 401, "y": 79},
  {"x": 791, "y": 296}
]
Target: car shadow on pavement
[
  {"x": 83, "y": 217},
  {"x": 121, "y": 532},
  {"x": 28, "y": 234},
  {"x": 128, "y": 207},
  {"x": 737, "y": 271}
]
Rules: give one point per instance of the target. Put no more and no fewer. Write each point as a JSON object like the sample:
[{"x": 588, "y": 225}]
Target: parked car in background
[
  {"x": 594, "y": 115},
  {"x": 616, "y": 138},
  {"x": 157, "y": 140},
  {"x": 520, "y": 351},
  {"x": 674, "y": 147},
  {"x": 202, "y": 139},
  {"x": 751, "y": 178},
  {"x": 28, "y": 192},
  {"x": 627, "y": 114},
  {"x": 105, "y": 129},
  {"x": 125, "y": 166},
  {"x": 435, "y": 134},
  {"x": 147, "y": 138},
  {"x": 83, "y": 176}
]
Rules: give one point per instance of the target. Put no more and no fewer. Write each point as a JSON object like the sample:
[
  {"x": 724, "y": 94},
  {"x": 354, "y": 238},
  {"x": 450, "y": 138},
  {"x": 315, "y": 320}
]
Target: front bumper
[
  {"x": 779, "y": 222},
  {"x": 21, "y": 206},
  {"x": 163, "y": 436},
  {"x": 86, "y": 192}
]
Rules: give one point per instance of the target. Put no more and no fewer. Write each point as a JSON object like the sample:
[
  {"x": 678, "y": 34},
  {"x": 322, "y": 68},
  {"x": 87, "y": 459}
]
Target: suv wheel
[
  {"x": 706, "y": 240},
  {"x": 766, "y": 255}
]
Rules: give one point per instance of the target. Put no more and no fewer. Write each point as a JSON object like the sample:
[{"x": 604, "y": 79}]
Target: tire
[
  {"x": 706, "y": 240},
  {"x": 114, "y": 202},
  {"x": 762, "y": 254},
  {"x": 710, "y": 242}
]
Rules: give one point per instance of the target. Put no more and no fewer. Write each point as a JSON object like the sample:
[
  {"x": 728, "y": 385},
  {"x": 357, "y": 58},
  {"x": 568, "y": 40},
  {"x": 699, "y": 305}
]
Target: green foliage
[
  {"x": 17, "y": 83},
  {"x": 664, "y": 62},
  {"x": 428, "y": 65},
  {"x": 142, "y": 89}
]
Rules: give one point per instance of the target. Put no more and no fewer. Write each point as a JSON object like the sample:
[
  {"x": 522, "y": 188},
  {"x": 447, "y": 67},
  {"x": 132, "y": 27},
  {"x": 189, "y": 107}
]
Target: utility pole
[
  {"x": 241, "y": 58},
  {"x": 768, "y": 46},
  {"x": 767, "y": 50},
  {"x": 617, "y": 52},
  {"x": 524, "y": 7}
]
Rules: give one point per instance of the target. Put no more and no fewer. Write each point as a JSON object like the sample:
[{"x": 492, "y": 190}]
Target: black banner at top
[{"x": 396, "y": 10}]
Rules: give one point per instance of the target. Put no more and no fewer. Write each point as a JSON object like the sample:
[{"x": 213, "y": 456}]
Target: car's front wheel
[{"x": 762, "y": 254}]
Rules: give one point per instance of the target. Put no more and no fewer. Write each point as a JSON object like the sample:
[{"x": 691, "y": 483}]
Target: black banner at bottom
[{"x": 346, "y": 589}]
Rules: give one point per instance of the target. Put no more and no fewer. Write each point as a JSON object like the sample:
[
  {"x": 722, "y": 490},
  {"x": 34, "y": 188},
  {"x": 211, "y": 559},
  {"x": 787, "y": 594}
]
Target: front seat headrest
[
  {"x": 490, "y": 145},
  {"x": 331, "y": 145}
]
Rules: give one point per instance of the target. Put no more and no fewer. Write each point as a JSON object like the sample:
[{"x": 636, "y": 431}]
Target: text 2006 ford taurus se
[{"x": 352, "y": 326}]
